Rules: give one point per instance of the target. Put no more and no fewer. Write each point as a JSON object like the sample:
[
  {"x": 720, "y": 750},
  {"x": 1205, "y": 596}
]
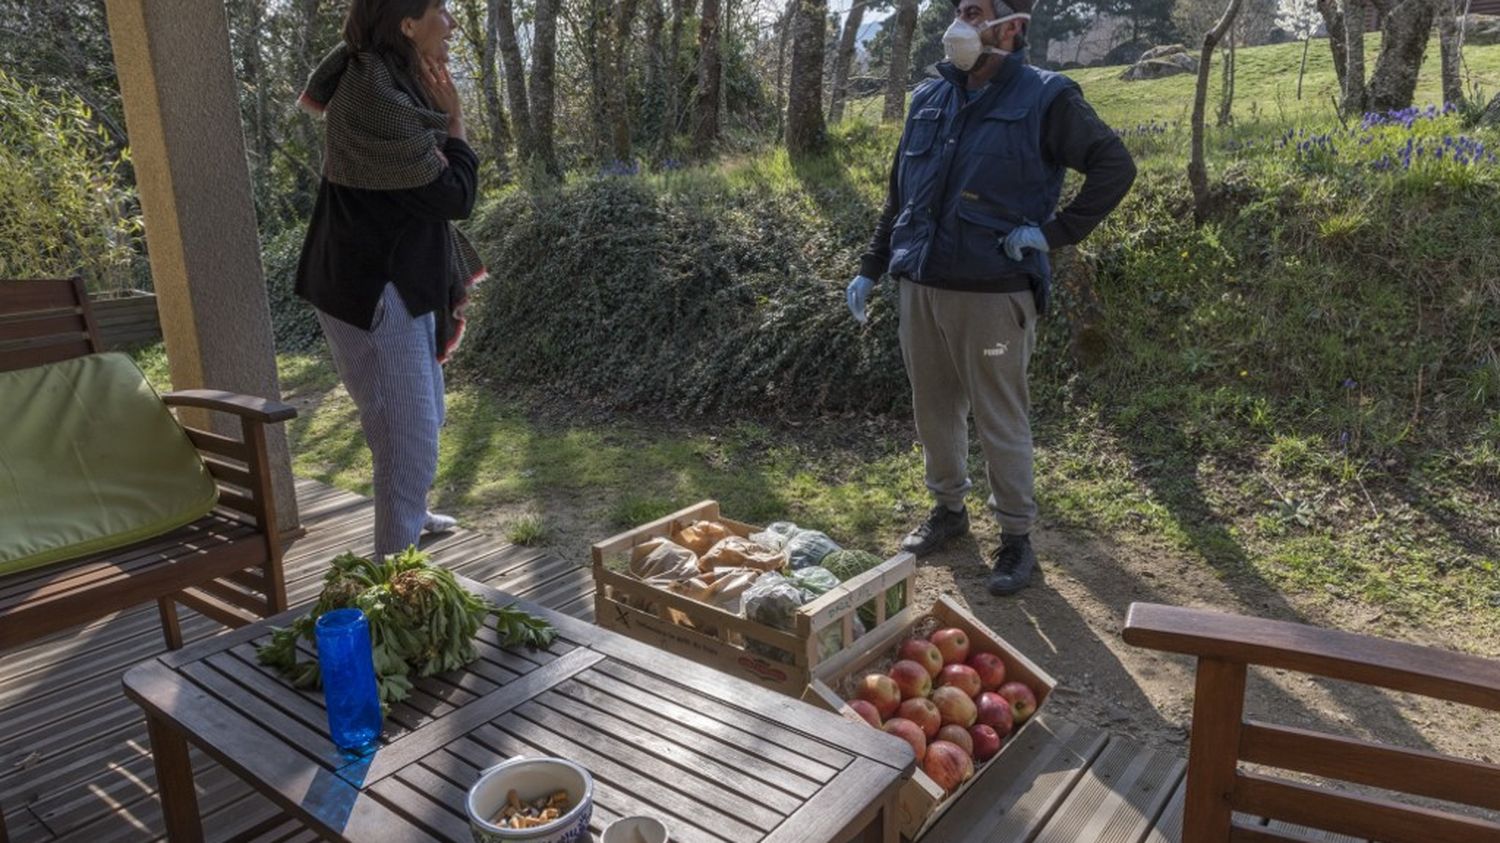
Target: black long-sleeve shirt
[
  {"x": 360, "y": 240},
  {"x": 1072, "y": 136}
]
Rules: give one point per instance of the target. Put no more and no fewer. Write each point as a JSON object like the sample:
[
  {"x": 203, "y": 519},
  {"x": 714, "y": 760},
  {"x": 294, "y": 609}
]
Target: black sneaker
[
  {"x": 1015, "y": 562},
  {"x": 941, "y": 525}
]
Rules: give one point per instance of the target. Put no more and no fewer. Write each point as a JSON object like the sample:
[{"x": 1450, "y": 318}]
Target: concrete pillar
[{"x": 182, "y": 114}]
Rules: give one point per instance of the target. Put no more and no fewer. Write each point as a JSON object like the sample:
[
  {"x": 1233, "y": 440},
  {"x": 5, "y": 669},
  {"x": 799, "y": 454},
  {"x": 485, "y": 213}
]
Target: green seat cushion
[{"x": 90, "y": 460}]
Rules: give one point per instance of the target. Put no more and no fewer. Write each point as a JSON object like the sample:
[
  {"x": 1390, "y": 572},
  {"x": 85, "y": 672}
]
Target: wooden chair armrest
[
  {"x": 1428, "y": 671},
  {"x": 245, "y": 406}
]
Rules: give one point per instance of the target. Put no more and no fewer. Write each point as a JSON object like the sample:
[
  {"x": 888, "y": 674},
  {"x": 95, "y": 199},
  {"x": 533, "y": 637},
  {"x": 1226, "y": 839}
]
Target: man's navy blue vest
[{"x": 970, "y": 171}]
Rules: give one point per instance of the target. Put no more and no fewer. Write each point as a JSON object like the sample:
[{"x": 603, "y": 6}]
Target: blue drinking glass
[{"x": 347, "y": 662}]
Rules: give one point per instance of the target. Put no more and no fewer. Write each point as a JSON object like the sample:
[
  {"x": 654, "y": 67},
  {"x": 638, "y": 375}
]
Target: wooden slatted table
[{"x": 719, "y": 759}]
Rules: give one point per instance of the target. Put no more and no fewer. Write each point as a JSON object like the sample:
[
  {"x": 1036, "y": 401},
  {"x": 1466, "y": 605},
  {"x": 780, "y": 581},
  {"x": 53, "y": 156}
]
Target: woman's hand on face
[{"x": 439, "y": 84}]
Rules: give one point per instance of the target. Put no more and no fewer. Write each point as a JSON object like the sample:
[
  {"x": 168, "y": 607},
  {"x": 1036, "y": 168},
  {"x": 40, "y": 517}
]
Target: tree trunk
[
  {"x": 805, "y": 131},
  {"x": 844, "y": 59},
  {"x": 1302, "y": 71},
  {"x": 1394, "y": 80},
  {"x": 1452, "y": 53},
  {"x": 594, "y": 51},
  {"x": 543, "y": 81},
  {"x": 304, "y": 129},
  {"x": 895, "y": 84},
  {"x": 489, "y": 84},
  {"x": 672, "y": 117},
  {"x": 255, "y": 77},
  {"x": 706, "y": 132},
  {"x": 1333, "y": 21},
  {"x": 656, "y": 69},
  {"x": 515, "y": 76},
  {"x": 783, "y": 34},
  {"x": 1354, "y": 57},
  {"x": 1226, "y": 91},
  {"x": 619, "y": 83},
  {"x": 1197, "y": 168}
]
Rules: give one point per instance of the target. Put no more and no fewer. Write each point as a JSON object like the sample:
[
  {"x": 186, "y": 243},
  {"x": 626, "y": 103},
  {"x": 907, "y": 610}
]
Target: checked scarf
[{"x": 381, "y": 135}]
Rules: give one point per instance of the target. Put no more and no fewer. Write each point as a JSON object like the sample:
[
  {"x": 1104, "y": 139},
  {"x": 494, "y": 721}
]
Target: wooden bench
[
  {"x": 1220, "y": 795},
  {"x": 225, "y": 565}
]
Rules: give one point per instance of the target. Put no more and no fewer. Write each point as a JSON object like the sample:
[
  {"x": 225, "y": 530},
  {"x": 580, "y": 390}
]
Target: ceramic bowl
[{"x": 532, "y": 778}]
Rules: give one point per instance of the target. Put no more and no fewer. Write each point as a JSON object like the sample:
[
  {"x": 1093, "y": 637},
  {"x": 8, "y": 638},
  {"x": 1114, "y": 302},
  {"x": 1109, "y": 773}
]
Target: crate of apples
[{"x": 950, "y": 688}]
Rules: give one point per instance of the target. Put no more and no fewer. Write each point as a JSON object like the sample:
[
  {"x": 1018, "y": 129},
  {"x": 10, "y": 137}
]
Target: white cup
[{"x": 635, "y": 830}]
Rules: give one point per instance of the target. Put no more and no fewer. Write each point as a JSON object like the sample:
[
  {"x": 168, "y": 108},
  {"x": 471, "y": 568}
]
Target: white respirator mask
[{"x": 961, "y": 42}]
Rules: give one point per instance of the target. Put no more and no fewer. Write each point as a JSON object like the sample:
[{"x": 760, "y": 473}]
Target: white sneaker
[{"x": 439, "y": 523}]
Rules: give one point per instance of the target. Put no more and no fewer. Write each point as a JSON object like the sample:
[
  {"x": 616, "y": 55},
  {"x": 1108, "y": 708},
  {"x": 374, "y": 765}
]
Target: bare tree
[
  {"x": 1226, "y": 89},
  {"x": 806, "y": 132},
  {"x": 843, "y": 59},
  {"x": 479, "y": 31},
  {"x": 502, "y": 13},
  {"x": 1448, "y": 12},
  {"x": 1197, "y": 168},
  {"x": 619, "y": 82},
  {"x": 671, "y": 116},
  {"x": 895, "y": 84},
  {"x": 656, "y": 61},
  {"x": 706, "y": 132},
  {"x": 1299, "y": 18},
  {"x": 783, "y": 35},
  {"x": 1354, "y": 56},
  {"x": 1333, "y": 23},
  {"x": 253, "y": 68},
  {"x": 543, "y": 83},
  {"x": 1408, "y": 25}
]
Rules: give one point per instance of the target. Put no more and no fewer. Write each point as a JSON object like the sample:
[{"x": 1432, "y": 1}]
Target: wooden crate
[
  {"x": 126, "y": 319},
  {"x": 922, "y": 801},
  {"x": 619, "y": 596}
]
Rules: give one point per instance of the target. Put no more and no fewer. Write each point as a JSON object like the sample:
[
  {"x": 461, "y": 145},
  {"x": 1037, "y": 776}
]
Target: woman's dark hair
[{"x": 375, "y": 25}]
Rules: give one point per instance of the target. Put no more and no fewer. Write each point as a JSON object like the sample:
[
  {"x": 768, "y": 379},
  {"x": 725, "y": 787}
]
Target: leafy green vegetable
[
  {"x": 517, "y": 627},
  {"x": 422, "y": 622}
]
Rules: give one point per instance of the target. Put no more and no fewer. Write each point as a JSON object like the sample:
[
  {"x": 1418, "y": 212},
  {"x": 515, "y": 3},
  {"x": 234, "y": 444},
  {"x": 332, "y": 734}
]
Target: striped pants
[{"x": 392, "y": 373}]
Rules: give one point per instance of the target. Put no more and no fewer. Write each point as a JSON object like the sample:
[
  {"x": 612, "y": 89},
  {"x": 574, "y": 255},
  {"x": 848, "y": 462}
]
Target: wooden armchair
[
  {"x": 1218, "y": 790},
  {"x": 226, "y": 565}
]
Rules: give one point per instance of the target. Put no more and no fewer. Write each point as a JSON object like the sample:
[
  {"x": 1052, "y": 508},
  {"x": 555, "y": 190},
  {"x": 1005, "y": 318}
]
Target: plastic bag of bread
[
  {"x": 660, "y": 561},
  {"x": 721, "y": 587},
  {"x": 700, "y": 536},
  {"x": 740, "y": 552}
]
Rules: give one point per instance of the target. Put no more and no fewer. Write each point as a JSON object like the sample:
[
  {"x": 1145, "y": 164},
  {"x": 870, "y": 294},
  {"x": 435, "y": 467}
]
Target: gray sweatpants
[
  {"x": 969, "y": 352},
  {"x": 392, "y": 373}
]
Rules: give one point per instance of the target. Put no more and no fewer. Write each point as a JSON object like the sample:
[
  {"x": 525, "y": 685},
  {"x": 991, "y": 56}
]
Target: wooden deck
[{"x": 75, "y": 763}]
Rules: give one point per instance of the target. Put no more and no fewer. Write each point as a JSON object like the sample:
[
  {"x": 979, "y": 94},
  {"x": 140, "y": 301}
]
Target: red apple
[
  {"x": 909, "y": 732},
  {"x": 948, "y": 765},
  {"x": 865, "y": 710},
  {"x": 912, "y": 678},
  {"x": 924, "y": 653},
  {"x": 995, "y": 712},
  {"x": 991, "y": 670},
  {"x": 956, "y": 734},
  {"x": 880, "y": 691},
  {"x": 1022, "y": 700},
  {"x": 953, "y": 643},
  {"x": 962, "y": 677},
  {"x": 954, "y": 706},
  {"x": 986, "y": 742},
  {"x": 922, "y": 712}
]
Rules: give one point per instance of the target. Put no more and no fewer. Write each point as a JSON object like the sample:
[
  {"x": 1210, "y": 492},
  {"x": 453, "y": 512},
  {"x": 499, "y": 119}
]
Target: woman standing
[{"x": 382, "y": 264}]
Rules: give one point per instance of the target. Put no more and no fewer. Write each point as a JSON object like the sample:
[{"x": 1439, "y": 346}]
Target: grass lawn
[{"x": 1287, "y": 519}]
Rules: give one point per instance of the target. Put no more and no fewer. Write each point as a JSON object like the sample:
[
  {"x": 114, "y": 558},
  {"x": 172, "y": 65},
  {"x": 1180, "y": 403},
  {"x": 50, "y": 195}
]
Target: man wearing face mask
[{"x": 969, "y": 218}]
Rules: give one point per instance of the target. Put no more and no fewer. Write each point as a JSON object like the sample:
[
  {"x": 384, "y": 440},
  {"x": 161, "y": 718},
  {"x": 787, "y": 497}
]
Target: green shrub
[
  {"x": 64, "y": 208},
  {"x": 292, "y": 320},
  {"x": 1340, "y": 302},
  {"x": 690, "y": 296}
]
